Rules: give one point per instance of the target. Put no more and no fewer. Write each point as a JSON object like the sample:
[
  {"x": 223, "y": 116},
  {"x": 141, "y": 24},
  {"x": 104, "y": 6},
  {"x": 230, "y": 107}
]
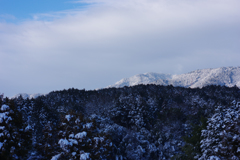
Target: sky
[{"x": 60, "y": 44}]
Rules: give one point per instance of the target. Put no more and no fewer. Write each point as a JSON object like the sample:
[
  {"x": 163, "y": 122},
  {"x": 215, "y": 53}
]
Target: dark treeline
[{"x": 139, "y": 122}]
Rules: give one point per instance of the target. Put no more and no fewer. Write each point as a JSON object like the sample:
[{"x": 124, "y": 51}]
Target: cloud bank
[{"x": 111, "y": 39}]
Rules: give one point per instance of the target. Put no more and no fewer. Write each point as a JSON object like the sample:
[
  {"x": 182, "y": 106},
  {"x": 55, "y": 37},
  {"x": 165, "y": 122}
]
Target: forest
[{"x": 143, "y": 122}]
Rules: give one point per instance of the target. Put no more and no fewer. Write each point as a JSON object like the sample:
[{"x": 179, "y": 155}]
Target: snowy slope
[
  {"x": 145, "y": 78},
  {"x": 228, "y": 76}
]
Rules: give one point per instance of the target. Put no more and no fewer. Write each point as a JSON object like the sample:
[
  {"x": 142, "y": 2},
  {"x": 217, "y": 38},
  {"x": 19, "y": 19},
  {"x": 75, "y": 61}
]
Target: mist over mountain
[{"x": 224, "y": 76}]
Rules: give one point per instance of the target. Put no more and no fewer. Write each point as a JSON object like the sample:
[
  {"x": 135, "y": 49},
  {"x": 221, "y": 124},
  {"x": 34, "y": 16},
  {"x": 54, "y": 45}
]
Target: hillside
[
  {"x": 146, "y": 78},
  {"x": 140, "y": 122},
  {"x": 227, "y": 76}
]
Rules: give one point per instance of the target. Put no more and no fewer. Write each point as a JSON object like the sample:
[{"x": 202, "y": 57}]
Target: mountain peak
[
  {"x": 228, "y": 76},
  {"x": 145, "y": 78}
]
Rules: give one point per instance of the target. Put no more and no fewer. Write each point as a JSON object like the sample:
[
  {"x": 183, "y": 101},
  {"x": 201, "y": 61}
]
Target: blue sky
[
  {"x": 55, "y": 45},
  {"x": 18, "y": 11}
]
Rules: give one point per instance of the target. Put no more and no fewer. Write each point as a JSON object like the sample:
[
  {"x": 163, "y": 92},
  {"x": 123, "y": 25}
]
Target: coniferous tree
[
  {"x": 221, "y": 139},
  {"x": 47, "y": 145},
  {"x": 15, "y": 135},
  {"x": 192, "y": 149},
  {"x": 80, "y": 139}
]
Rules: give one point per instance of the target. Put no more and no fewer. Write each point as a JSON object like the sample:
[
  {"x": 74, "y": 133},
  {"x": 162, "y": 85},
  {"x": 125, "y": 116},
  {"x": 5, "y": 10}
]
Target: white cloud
[
  {"x": 112, "y": 39},
  {"x": 7, "y": 16}
]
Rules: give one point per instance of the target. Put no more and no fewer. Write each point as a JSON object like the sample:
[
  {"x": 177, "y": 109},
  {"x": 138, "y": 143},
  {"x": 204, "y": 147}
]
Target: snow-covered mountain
[
  {"x": 26, "y": 95},
  {"x": 146, "y": 78},
  {"x": 228, "y": 76}
]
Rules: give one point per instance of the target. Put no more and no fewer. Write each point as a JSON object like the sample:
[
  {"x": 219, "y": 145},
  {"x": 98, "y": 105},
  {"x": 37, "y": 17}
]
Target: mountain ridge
[{"x": 224, "y": 76}]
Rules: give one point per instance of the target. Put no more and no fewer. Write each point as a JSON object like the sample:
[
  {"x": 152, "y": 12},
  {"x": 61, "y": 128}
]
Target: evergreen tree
[
  {"x": 192, "y": 149},
  {"x": 47, "y": 145},
  {"x": 221, "y": 139},
  {"x": 80, "y": 139},
  {"x": 15, "y": 135}
]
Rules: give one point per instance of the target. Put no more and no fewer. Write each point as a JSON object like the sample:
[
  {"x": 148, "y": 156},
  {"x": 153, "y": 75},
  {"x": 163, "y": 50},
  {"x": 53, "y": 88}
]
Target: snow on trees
[
  {"x": 221, "y": 139},
  {"x": 140, "y": 122},
  {"x": 47, "y": 146},
  {"x": 15, "y": 135},
  {"x": 79, "y": 139}
]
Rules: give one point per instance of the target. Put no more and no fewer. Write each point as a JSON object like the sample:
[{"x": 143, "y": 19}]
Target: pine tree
[
  {"x": 15, "y": 135},
  {"x": 80, "y": 139},
  {"x": 192, "y": 149},
  {"x": 221, "y": 139},
  {"x": 47, "y": 146}
]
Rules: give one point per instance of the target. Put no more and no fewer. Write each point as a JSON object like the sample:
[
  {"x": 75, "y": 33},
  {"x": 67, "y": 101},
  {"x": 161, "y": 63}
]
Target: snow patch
[
  {"x": 64, "y": 143},
  {"x": 84, "y": 156},
  {"x": 5, "y": 117},
  {"x": 81, "y": 135},
  {"x": 5, "y": 107},
  {"x": 56, "y": 157},
  {"x": 1, "y": 144},
  {"x": 68, "y": 117},
  {"x": 88, "y": 125}
]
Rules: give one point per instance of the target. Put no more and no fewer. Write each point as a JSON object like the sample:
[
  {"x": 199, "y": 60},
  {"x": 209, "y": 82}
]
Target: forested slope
[{"x": 139, "y": 122}]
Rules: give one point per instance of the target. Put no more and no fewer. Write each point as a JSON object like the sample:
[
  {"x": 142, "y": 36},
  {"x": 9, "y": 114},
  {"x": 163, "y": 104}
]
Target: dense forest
[{"x": 143, "y": 122}]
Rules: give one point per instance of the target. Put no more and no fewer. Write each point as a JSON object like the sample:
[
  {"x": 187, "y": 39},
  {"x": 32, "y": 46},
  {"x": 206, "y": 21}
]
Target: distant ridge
[
  {"x": 224, "y": 76},
  {"x": 145, "y": 78},
  {"x": 25, "y": 95}
]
